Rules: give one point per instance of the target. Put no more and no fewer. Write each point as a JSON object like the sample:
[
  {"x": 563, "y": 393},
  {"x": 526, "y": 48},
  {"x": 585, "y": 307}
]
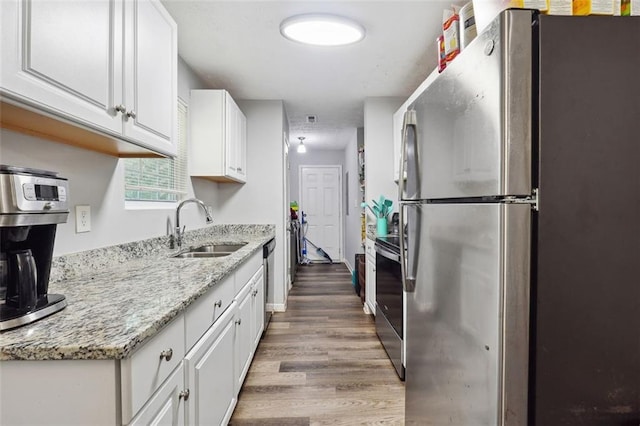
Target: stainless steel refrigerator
[{"x": 521, "y": 211}]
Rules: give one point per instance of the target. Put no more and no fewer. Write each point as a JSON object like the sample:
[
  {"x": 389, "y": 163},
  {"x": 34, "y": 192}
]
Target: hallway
[{"x": 321, "y": 361}]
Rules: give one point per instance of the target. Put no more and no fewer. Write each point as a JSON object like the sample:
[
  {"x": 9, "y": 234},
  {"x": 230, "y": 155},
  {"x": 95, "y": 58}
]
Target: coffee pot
[{"x": 22, "y": 281}]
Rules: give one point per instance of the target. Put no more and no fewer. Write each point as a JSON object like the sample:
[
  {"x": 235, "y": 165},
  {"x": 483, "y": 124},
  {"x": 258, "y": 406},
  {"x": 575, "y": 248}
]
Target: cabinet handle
[
  {"x": 239, "y": 169},
  {"x": 218, "y": 304},
  {"x": 120, "y": 108},
  {"x": 184, "y": 395},
  {"x": 239, "y": 321},
  {"x": 166, "y": 354},
  {"x": 131, "y": 114}
]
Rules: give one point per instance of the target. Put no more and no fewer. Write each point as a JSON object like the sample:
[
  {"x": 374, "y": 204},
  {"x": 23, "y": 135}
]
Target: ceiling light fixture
[
  {"x": 322, "y": 29},
  {"x": 301, "y": 148}
]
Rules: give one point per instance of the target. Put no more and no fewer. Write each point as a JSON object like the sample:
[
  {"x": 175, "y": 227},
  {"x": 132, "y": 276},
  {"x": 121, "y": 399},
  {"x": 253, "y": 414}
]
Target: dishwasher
[{"x": 268, "y": 264}]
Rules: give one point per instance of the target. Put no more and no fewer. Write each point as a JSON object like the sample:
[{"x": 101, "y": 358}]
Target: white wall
[
  {"x": 378, "y": 150},
  {"x": 261, "y": 199},
  {"x": 352, "y": 234},
  {"x": 98, "y": 180}
]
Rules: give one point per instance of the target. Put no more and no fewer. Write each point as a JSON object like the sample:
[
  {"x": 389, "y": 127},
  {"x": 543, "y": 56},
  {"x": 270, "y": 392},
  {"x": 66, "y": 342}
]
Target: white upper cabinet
[
  {"x": 151, "y": 75},
  {"x": 218, "y": 142},
  {"x": 65, "y": 56},
  {"x": 106, "y": 66}
]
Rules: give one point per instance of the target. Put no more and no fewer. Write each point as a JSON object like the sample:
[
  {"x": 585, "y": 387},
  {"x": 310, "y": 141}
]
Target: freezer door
[
  {"x": 467, "y": 318},
  {"x": 473, "y": 124}
]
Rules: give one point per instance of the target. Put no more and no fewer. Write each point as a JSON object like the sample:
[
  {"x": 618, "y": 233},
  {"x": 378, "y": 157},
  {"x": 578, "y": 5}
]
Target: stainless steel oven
[{"x": 389, "y": 300}]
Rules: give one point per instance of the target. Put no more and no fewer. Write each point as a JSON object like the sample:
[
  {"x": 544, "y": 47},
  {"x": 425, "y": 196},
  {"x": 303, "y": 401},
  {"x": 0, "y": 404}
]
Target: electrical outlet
[{"x": 83, "y": 218}]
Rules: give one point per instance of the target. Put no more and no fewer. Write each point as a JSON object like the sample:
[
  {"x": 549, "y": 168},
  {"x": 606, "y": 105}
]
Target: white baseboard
[
  {"x": 276, "y": 307},
  {"x": 346, "y": 262}
]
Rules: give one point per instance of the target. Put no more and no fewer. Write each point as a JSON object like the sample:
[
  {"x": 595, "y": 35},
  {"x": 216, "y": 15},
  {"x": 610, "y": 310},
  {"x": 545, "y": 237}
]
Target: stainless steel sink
[
  {"x": 199, "y": 254},
  {"x": 210, "y": 250},
  {"x": 218, "y": 248}
]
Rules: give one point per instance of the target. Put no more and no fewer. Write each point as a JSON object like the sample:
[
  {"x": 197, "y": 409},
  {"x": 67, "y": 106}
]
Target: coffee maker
[{"x": 32, "y": 203}]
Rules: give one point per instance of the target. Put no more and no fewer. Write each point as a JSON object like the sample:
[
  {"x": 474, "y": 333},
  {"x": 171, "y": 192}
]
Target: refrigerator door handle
[
  {"x": 409, "y": 140},
  {"x": 408, "y": 265}
]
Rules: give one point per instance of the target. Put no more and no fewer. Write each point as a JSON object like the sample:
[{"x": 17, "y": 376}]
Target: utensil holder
[{"x": 382, "y": 226}]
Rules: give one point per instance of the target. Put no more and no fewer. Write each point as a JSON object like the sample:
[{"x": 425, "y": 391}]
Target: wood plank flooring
[{"x": 321, "y": 362}]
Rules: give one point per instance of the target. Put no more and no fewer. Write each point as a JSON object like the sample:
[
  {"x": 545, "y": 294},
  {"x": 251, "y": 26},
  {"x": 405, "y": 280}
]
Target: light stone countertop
[{"x": 121, "y": 296}]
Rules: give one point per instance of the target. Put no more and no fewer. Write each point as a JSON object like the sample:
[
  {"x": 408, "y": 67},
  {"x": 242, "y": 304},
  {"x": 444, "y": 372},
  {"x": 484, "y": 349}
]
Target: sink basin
[
  {"x": 210, "y": 250},
  {"x": 218, "y": 248},
  {"x": 199, "y": 254}
]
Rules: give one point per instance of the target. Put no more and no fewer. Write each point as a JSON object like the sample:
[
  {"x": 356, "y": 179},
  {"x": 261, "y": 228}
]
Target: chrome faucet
[{"x": 176, "y": 238}]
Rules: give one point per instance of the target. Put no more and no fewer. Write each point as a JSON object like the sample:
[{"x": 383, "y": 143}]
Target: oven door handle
[{"x": 387, "y": 253}]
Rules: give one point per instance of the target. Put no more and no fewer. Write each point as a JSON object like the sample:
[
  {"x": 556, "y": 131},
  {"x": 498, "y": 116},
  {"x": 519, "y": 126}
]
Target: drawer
[
  {"x": 204, "y": 311},
  {"x": 248, "y": 270},
  {"x": 144, "y": 372}
]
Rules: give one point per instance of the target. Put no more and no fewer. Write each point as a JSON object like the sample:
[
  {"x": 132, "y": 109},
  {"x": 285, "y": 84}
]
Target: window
[{"x": 159, "y": 179}]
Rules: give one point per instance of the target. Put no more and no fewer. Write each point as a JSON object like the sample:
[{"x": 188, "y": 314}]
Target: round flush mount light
[{"x": 322, "y": 29}]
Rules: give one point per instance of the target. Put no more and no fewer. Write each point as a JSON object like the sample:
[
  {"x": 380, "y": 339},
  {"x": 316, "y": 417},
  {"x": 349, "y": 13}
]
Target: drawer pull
[
  {"x": 239, "y": 321},
  {"x": 218, "y": 304},
  {"x": 166, "y": 354},
  {"x": 184, "y": 395}
]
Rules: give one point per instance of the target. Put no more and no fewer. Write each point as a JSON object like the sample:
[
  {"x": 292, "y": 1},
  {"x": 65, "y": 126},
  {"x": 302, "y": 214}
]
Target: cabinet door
[
  {"x": 258, "y": 309},
  {"x": 241, "y": 162},
  {"x": 370, "y": 292},
  {"x": 166, "y": 407},
  {"x": 150, "y": 78},
  {"x": 243, "y": 336},
  {"x": 210, "y": 374},
  {"x": 257, "y": 322},
  {"x": 65, "y": 58},
  {"x": 149, "y": 366},
  {"x": 230, "y": 136}
]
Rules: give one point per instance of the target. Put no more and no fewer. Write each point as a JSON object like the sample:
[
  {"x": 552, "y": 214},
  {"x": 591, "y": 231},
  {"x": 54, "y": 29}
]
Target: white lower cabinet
[
  {"x": 370, "y": 270},
  {"x": 158, "y": 384},
  {"x": 166, "y": 406},
  {"x": 250, "y": 323},
  {"x": 257, "y": 308},
  {"x": 149, "y": 366},
  {"x": 244, "y": 338},
  {"x": 209, "y": 378}
]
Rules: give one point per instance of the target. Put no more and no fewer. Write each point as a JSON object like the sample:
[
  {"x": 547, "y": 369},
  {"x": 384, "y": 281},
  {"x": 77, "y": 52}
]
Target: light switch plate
[{"x": 83, "y": 218}]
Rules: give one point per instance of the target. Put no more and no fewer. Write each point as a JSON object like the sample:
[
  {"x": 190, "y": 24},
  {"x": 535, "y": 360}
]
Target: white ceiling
[{"x": 237, "y": 46}]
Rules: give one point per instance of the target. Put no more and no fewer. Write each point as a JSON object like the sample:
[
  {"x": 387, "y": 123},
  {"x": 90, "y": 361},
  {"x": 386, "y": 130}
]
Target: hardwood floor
[{"x": 321, "y": 361}]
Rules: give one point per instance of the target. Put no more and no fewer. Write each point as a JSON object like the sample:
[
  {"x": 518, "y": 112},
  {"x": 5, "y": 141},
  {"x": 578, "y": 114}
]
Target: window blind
[{"x": 159, "y": 179}]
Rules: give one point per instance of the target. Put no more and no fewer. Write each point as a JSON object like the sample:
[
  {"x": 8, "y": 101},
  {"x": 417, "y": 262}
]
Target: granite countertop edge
[{"x": 115, "y": 309}]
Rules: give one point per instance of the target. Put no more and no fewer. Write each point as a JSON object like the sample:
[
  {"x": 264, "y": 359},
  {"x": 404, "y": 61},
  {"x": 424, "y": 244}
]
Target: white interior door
[{"x": 320, "y": 195}]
